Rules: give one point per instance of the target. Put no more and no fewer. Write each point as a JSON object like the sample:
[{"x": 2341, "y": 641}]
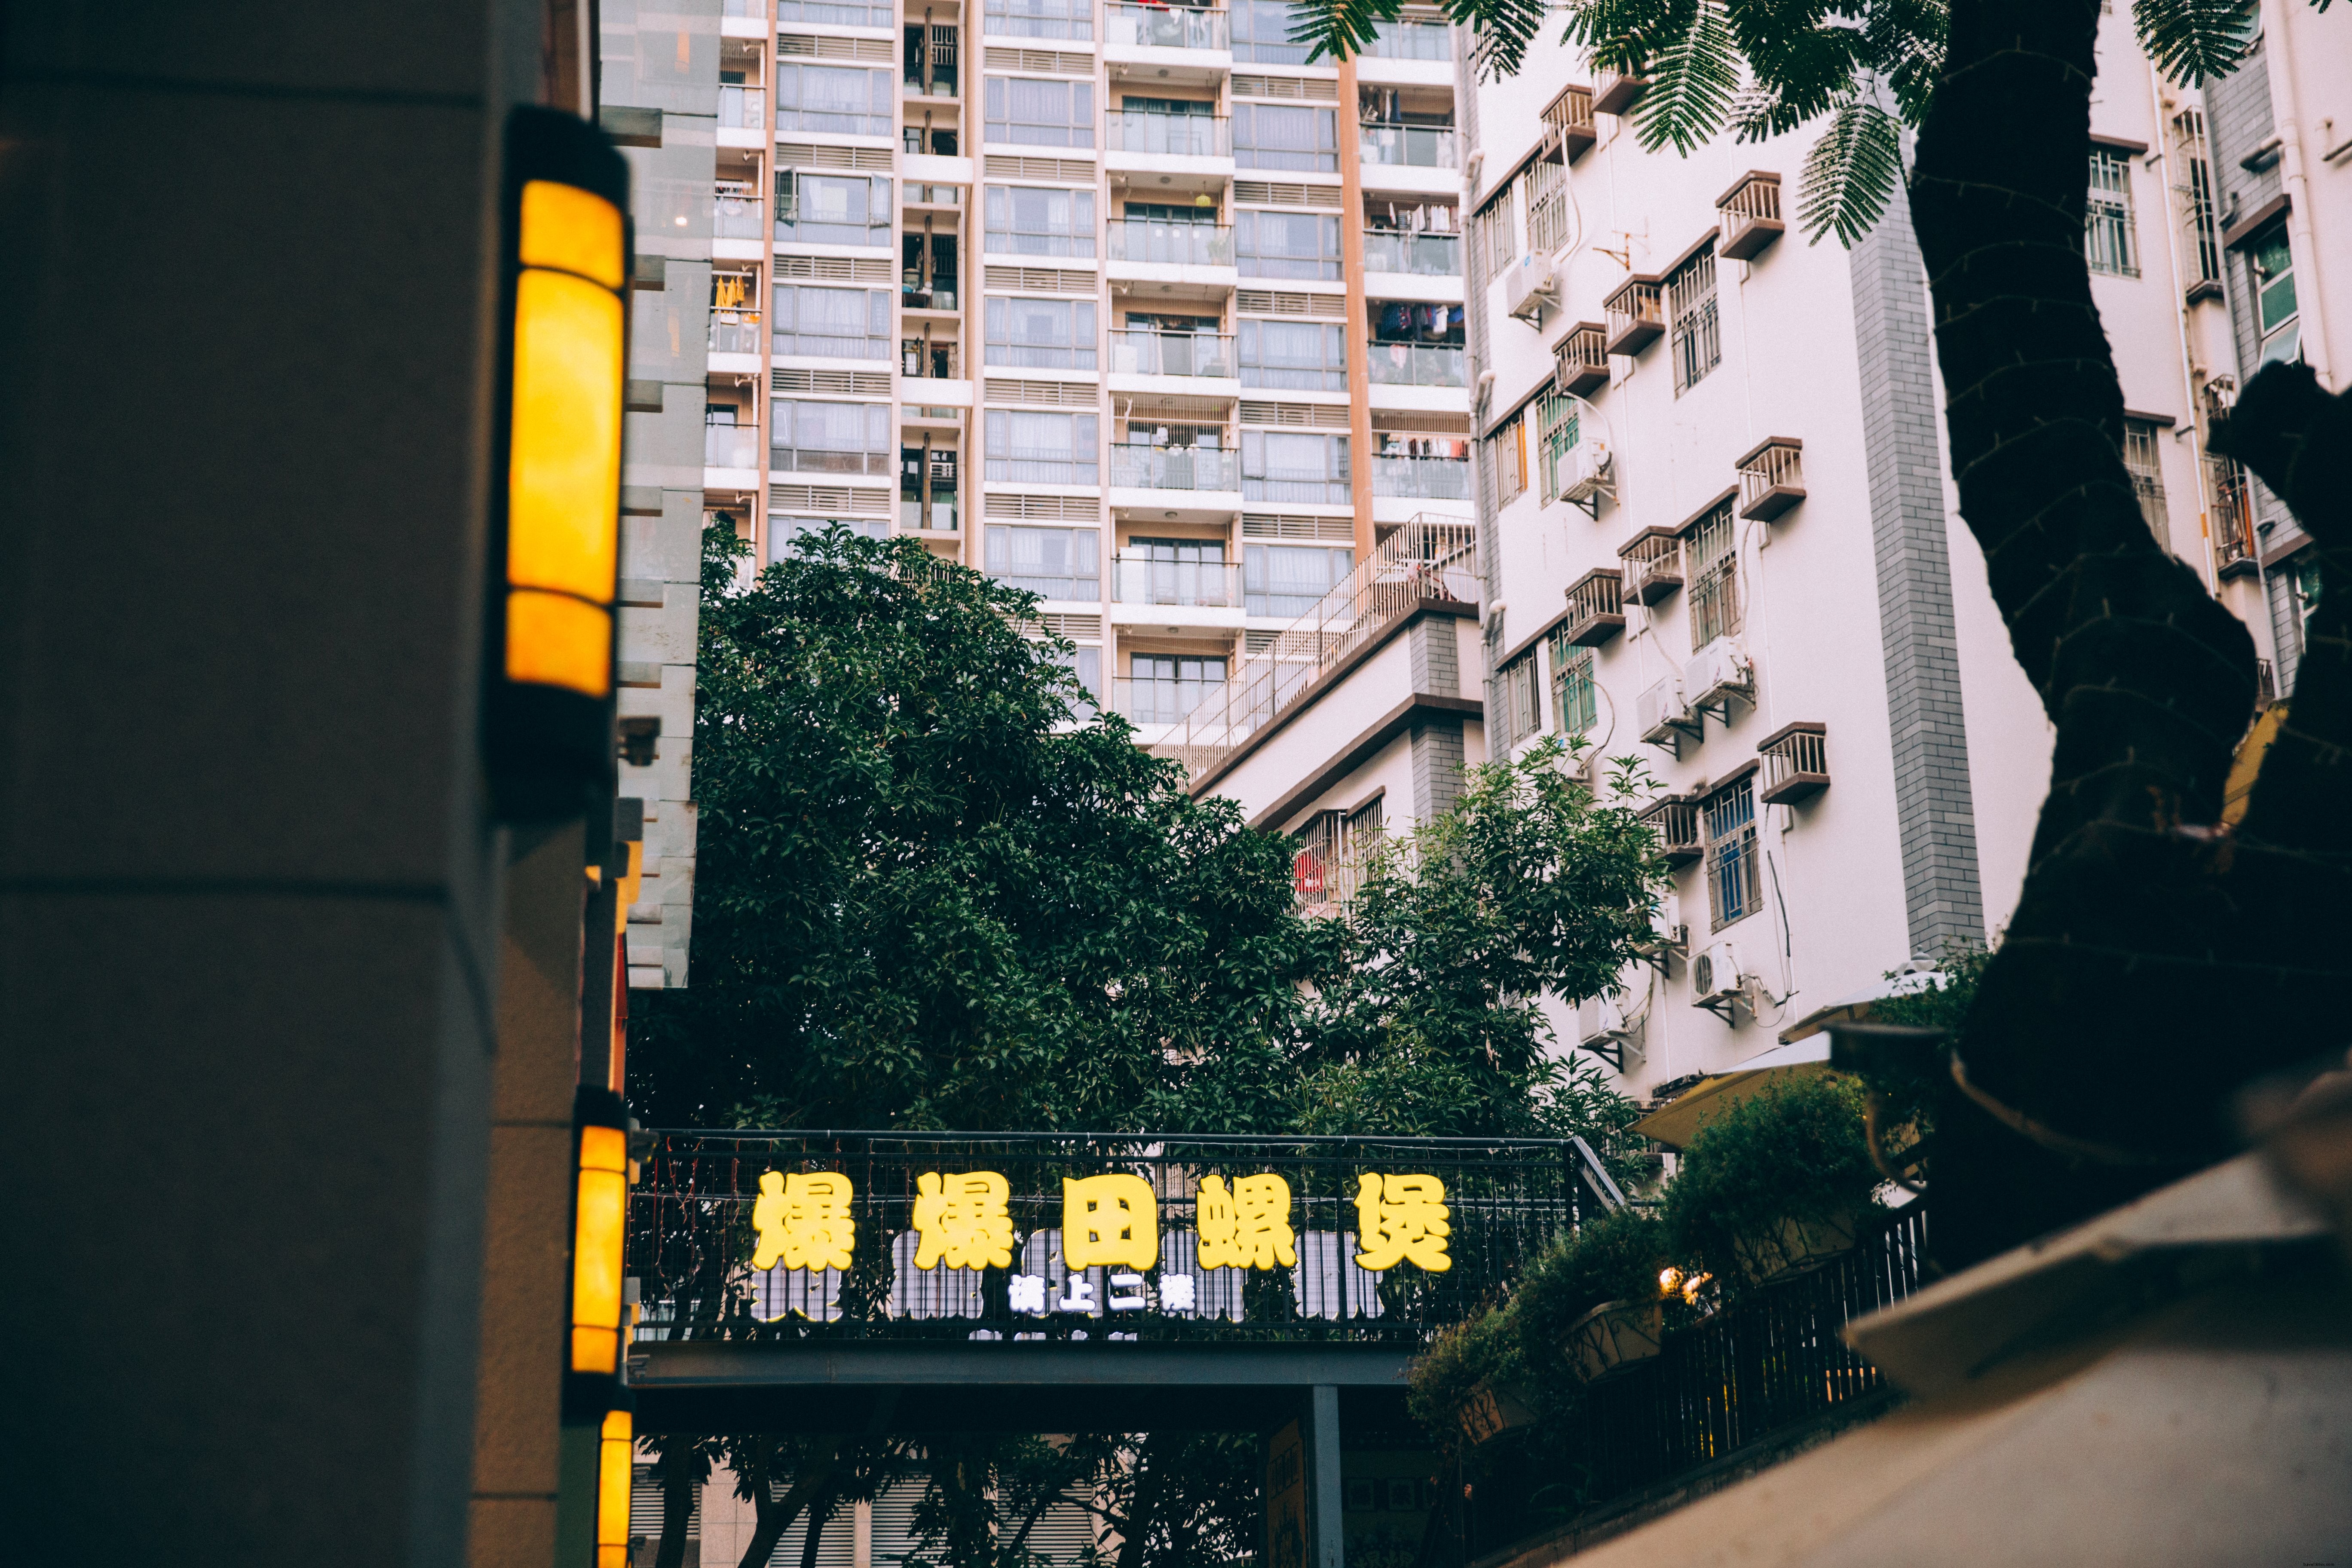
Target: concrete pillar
[
  {"x": 1325, "y": 1498},
  {"x": 249, "y": 939}
]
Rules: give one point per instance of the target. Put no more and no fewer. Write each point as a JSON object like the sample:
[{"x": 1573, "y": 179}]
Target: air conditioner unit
[
  {"x": 1599, "y": 1018},
  {"x": 1529, "y": 285},
  {"x": 1584, "y": 471},
  {"x": 1660, "y": 711},
  {"x": 1720, "y": 672},
  {"x": 1715, "y": 980}
]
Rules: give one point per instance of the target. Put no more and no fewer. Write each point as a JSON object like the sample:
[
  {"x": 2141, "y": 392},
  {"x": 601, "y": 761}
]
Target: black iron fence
[
  {"x": 874, "y": 1235},
  {"x": 1770, "y": 1361}
]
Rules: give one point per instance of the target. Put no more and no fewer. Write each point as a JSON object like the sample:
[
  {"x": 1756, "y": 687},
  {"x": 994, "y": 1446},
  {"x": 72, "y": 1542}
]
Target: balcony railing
[
  {"x": 1750, "y": 216},
  {"x": 1140, "y": 699},
  {"x": 1596, "y": 607},
  {"x": 828, "y": 460},
  {"x": 2232, "y": 514},
  {"x": 1327, "y": 863},
  {"x": 1426, "y": 255},
  {"x": 931, "y": 358},
  {"x": 1614, "y": 94},
  {"x": 1410, "y": 41},
  {"x": 730, "y": 446},
  {"x": 1418, "y": 364},
  {"x": 1412, "y": 146},
  {"x": 1165, "y": 27},
  {"x": 1421, "y": 478},
  {"x": 1580, "y": 363},
  {"x": 932, "y": 72},
  {"x": 694, "y": 1223},
  {"x": 742, "y": 109},
  {"x": 915, "y": 295},
  {"x": 1175, "y": 136},
  {"x": 835, "y": 14},
  {"x": 1425, "y": 559},
  {"x": 1200, "y": 584},
  {"x": 1079, "y": 586},
  {"x": 1039, "y": 19},
  {"x": 1653, "y": 564},
  {"x": 1637, "y": 314},
  {"x": 1771, "y": 478},
  {"x": 735, "y": 331},
  {"x": 1674, "y": 819},
  {"x": 735, "y": 210},
  {"x": 1796, "y": 764},
  {"x": 1136, "y": 466},
  {"x": 943, "y": 518},
  {"x": 1138, "y": 351},
  {"x": 1172, "y": 244},
  {"x": 1569, "y": 119}
]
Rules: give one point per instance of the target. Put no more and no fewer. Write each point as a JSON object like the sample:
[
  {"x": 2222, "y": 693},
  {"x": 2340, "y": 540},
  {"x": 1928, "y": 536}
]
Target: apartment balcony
[
  {"x": 1143, "y": 701},
  {"x": 1421, "y": 478},
  {"x": 1771, "y": 478},
  {"x": 1568, "y": 125},
  {"x": 930, "y": 358},
  {"x": 1133, "y": 137},
  {"x": 1596, "y": 607},
  {"x": 1675, "y": 820},
  {"x": 1150, "y": 250},
  {"x": 1180, "y": 584},
  {"x": 1418, "y": 364},
  {"x": 932, "y": 60},
  {"x": 943, "y": 519},
  {"x": 1653, "y": 564},
  {"x": 1749, "y": 215},
  {"x": 1192, "y": 43},
  {"x": 1614, "y": 94},
  {"x": 1413, "y": 255},
  {"x": 735, "y": 211},
  {"x": 828, "y": 460},
  {"x": 1795, "y": 764},
  {"x": 938, "y": 294},
  {"x": 1194, "y": 356},
  {"x": 1066, "y": 19},
  {"x": 742, "y": 117},
  {"x": 1579, "y": 364},
  {"x": 1136, "y": 466},
  {"x": 735, "y": 331},
  {"x": 2234, "y": 517},
  {"x": 1410, "y": 41},
  {"x": 1409, "y": 146},
  {"x": 838, "y": 13},
  {"x": 1637, "y": 314},
  {"x": 733, "y": 447}
]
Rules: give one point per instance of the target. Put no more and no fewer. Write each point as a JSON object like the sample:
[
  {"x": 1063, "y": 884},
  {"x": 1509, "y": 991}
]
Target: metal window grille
[
  {"x": 1333, "y": 850},
  {"x": 1714, "y": 565},
  {"x": 1501, "y": 238},
  {"x": 2108, "y": 218},
  {"x": 1523, "y": 714},
  {"x": 2194, "y": 164},
  {"x": 1547, "y": 186},
  {"x": 1731, "y": 886},
  {"x": 1690, "y": 305},
  {"x": 1575, "y": 697},
  {"x": 2142, "y": 458},
  {"x": 1556, "y": 416},
  {"x": 1507, "y": 459}
]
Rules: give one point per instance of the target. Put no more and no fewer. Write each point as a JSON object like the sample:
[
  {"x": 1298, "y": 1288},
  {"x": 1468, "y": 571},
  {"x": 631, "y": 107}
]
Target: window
[
  {"x": 833, "y": 209},
  {"x": 1041, "y": 334},
  {"x": 783, "y": 531},
  {"x": 2277, "y": 321},
  {"x": 1051, "y": 562},
  {"x": 1284, "y": 136},
  {"x": 1085, "y": 664},
  {"x": 837, "y": 15},
  {"x": 1039, "y": 18},
  {"x": 1262, "y": 33},
  {"x": 1522, "y": 713},
  {"x": 1293, "y": 466},
  {"x": 1733, "y": 893},
  {"x": 830, "y": 437},
  {"x": 1287, "y": 245},
  {"x": 1494, "y": 227},
  {"x": 1556, "y": 419},
  {"x": 840, "y": 323},
  {"x": 1575, "y": 698},
  {"x": 1713, "y": 553},
  {"x": 1507, "y": 459},
  {"x": 1296, "y": 356},
  {"x": 1028, "y": 112},
  {"x": 1164, "y": 688},
  {"x": 1690, "y": 306},
  {"x": 1546, "y": 187},
  {"x": 1040, "y": 220},
  {"x": 1040, "y": 448},
  {"x": 2108, "y": 219},
  {"x": 838, "y": 100},
  {"x": 1286, "y": 581},
  {"x": 2143, "y": 458},
  {"x": 2194, "y": 164}
]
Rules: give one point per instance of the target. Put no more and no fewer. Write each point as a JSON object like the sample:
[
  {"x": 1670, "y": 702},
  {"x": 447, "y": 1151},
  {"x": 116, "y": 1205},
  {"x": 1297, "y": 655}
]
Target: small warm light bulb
[{"x": 1669, "y": 1278}]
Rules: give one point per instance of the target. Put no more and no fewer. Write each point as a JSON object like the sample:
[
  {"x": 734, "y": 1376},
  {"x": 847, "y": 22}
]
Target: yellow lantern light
[
  {"x": 548, "y": 722},
  {"x": 616, "y": 1453},
  {"x": 600, "y": 1213}
]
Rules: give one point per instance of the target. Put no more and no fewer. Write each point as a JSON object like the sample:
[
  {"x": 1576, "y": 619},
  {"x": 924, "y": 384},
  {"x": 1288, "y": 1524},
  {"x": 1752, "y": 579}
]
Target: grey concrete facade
[{"x": 1935, "y": 811}]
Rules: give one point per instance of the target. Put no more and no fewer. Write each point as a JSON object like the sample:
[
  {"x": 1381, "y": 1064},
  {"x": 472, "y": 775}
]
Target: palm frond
[
  {"x": 1850, "y": 173},
  {"x": 1339, "y": 29},
  {"x": 1904, "y": 40},
  {"x": 1692, "y": 77},
  {"x": 1501, "y": 31},
  {"x": 1804, "y": 53},
  {"x": 2193, "y": 40}
]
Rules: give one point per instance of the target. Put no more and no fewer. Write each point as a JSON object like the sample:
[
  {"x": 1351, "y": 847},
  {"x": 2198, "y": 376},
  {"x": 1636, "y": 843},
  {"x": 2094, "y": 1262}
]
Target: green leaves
[
  {"x": 1851, "y": 173},
  {"x": 1694, "y": 70},
  {"x": 2195, "y": 41}
]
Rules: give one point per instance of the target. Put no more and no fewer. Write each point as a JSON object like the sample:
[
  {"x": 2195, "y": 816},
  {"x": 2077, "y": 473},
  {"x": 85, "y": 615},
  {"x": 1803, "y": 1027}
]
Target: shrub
[
  {"x": 1617, "y": 1257},
  {"x": 1484, "y": 1348},
  {"x": 1794, "y": 1152}
]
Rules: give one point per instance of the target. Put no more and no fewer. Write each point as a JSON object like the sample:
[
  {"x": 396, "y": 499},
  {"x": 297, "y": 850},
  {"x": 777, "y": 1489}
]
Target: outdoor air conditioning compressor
[{"x": 1716, "y": 979}]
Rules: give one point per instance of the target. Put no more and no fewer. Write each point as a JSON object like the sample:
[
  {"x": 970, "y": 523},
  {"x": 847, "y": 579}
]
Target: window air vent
[
  {"x": 836, "y": 269},
  {"x": 808, "y": 45},
  {"x": 835, "y": 383},
  {"x": 826, "y": 501},
  {"x": 809, "y": 156},
  {"x": 1312, "y": 89},
  {"x": 1315, "y": 415},
  {"x": 1014, "y": 166},
  {"x": 1047, "y": 393},
  {"x": 1266, "y": 302},
  {"x": 1292, "y": 525},
  {"x": 1053, "y": 62},
  {"x": 1283, "y": 194},
  {"x": 1039, "y": 279},
  {"x": 1017, "y": 506}
]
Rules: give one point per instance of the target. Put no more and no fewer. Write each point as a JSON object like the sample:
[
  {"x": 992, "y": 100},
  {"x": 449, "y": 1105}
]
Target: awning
[
  {"x": 1677, "y": 1124},
  {"x": 1855, "y": 1009}
]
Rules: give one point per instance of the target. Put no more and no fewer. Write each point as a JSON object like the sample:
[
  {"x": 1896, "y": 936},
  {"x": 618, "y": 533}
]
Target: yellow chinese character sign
[
  {"x": 803, "y": 1219},
  {"x": 963, "y": 1220},
  {"x": 1402, "y": 1219},
  {"x": 1109, "y": 1219},
  {"x": 1247, "y": 1228}
]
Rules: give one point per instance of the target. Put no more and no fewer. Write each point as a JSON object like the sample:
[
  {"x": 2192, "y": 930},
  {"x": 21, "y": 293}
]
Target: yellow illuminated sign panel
[{"x": 601, "y": 1204}]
